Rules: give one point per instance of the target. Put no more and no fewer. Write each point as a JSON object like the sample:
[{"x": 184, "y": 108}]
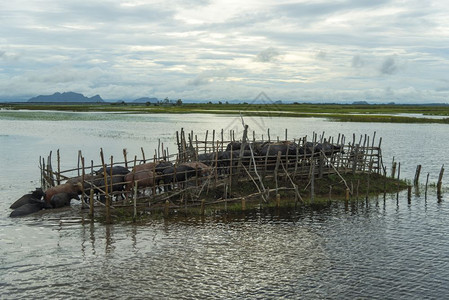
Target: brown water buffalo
[
  {"x": 200, "y": 167},
  {"x": 158, "y": 167},
  {"x": 62, "y": 188},
  {"x": 144, "y": 178}
]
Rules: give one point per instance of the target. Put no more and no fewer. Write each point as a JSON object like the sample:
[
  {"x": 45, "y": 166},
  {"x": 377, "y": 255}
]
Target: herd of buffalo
[{"x": 162, "y": 174}]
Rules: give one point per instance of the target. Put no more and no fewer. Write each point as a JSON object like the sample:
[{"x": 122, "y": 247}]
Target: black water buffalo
[
  {"x": 272, "y": 149},
  {"x": 116, "y": 170},
  {"x": 162, "y": 165},
  {"x": 208, "y": 158},
  {"x": 178, "y": 173},
  {"x": 328, "y": 148},
  {"x": 37, "y": 194},
  {"x": 62, "y": 199},
  {"x": 33, "y": 205},
  {"x": 255, "y": 146},
  {"x": 96, "y": 183}
]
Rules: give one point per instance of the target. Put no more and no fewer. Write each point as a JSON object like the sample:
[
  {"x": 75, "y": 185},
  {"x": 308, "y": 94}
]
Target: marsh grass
[
  {"x": 337, "y": 112},
  {"x": 378, "y": 184}
]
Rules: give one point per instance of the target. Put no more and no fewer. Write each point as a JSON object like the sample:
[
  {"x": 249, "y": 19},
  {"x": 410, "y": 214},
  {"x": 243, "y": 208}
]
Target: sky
[{"x": 305, "y": 51}]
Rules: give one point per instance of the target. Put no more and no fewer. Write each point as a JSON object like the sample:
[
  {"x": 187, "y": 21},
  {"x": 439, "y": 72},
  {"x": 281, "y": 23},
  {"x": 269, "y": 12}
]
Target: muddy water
[{"x": 381, "y": 249}]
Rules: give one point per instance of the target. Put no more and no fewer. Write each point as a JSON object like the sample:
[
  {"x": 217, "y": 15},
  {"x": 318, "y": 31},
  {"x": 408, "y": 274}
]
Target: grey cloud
[
  {"x": 389, "y": 66},
  {"x": 268, "y": 55},
  {"x": 311, "y": 10},
  {"x": 321, "y": 55},
  {"x": 357, "y": 61},
  {"x": 207, "y": 77}
]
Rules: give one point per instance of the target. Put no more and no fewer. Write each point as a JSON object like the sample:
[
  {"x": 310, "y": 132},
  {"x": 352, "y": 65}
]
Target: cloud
[
  {"x": 357, "y": 61},
  {"x": 389, "y": 66},
  {"x": 207, "y": 77},
  {"x": 201, "y": 49},
  {"x": 321, "y": 55},
  {"x": 268, "y": 55}
]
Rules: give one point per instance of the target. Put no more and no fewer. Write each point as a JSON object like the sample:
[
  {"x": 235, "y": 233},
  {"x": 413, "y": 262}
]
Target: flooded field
[{"x": 377, "y": 249}]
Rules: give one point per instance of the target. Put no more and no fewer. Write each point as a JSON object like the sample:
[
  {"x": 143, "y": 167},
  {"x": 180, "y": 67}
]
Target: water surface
[{"x": 377, "y": 249}]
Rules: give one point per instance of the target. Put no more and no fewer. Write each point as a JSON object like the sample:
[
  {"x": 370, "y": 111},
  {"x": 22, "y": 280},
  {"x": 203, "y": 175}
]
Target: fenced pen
[{"x": 213, "y": 165}]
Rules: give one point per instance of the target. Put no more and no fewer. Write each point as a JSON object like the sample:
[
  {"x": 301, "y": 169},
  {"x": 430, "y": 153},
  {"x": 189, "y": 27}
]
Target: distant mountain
[
  {"x": 360, "y": 103},
  {"x": 145, "y": 100},
  {"x": 69, "y": 97}
]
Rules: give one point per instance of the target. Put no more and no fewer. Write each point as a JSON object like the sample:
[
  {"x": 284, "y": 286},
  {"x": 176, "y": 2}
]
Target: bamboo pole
[
  {"x": 135, "y": 201},
  {"x": 91, "y": 204},
  {"x": 108, "y": 211},
  {"x": 417, "y": 173},
  {"x": 124, "y": 157},
  {"x": 58, "y": 176},
  {"x": 143, "y": 156},
  {"x": 440, "y": 181},
  {"x": 83, "y": 194},
  {"x": 276, "y": 169}
]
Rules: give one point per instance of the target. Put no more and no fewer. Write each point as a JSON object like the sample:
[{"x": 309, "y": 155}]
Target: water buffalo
[
  {"x": 62, "y": 199},
  {"x": 143, "y": 178},
  {"x": 255, "y": 146},
  {"x": 37, "y": 194},
  {"x": 116, "y": 170},
  {"x": 201, "y": 168},
  {"x": 33, "y": 205},
  {"x": 62, "y": 188},
  {"x": 96, "y": 183},
  {"x": 208, "y": 158},
  {"x": 272, "y": 149},
  {"x": 178, "y": 173}
]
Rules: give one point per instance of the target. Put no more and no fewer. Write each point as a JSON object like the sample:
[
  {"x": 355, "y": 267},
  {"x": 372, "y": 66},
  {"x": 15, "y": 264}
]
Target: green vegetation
[
  {"x": 337, "y": 112},
  {"x": 327, "y": 189}
]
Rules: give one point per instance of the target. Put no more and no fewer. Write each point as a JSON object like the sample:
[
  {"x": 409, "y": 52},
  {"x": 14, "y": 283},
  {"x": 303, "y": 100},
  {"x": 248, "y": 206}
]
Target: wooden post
[
  {"x": 83, "y": 195},
  {"x": 418, "y": 171},
  {"x": 135, "y": 201},
  {"x": 409, "y": 193},
  {"x": 347, "y": 195},
  {"x": 440, "y": 181},
  {"x": 124, "y": 157},
  {"x": 143, "y": 155},
  {"x": 399, "y": 173},
  {"x": 312, "y": 181},
  {"x": 58, "y": 177},
  {"x": 205, "y": 141},
  {"x": 108, "y": 211},
  {"x": 427, "y": 182},
  {"x": 243, "y": 204},
  {"x": 278, "y": 160},
  {"x": 167, "y": 205},
  {"x": 202, "y": 207},
  {"x": 91, "y": 203},
  {"x": 111, "y": 178},
  {"x": 278, "y": 200},
  {"x": 393, "y": 169}
]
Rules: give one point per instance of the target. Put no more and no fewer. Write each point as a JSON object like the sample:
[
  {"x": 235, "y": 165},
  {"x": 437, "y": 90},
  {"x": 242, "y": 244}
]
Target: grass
[{"x": 337, "y": 112}]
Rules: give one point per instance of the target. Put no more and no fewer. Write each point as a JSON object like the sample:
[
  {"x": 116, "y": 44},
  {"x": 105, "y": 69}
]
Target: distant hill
[
  {"x": 360, "y": 103},
  {"x": 145, "y": 100},
  {"x": 69, "y": 97}
]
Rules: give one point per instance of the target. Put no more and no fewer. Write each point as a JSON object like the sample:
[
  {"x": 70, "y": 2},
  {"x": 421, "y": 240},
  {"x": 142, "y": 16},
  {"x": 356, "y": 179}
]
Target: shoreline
[{"x": 333, "y": 112}]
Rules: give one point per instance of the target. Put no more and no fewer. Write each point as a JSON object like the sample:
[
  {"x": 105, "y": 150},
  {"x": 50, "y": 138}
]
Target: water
[{"x": 379, "y": 250}]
